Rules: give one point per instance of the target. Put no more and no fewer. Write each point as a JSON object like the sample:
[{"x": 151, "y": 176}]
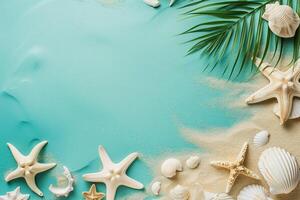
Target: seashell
[
  {"x": 152, "y": 3},
  {"x": 179, "y": 193},
  {"x": 261, "y": 138},
  {"x": 193, "y": 162},
  {"x": 15, "y": 195},
  {"x": 155, "y": 188},
  {"x": 170, "y": 167},
  {"x": 253, "y": 192},
  {"x": 283, "y": 20},
  {"x": 171, "y": 2},
  {"x": 280, "y": 169},
  {"x": 63, "y": 191},
  {"x": 216, "y": 196},
  {"x": 295, "y": 113}
]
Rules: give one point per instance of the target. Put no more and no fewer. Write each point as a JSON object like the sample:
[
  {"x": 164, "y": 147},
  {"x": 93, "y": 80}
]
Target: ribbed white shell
[
  {"x": 152, "y": 3},
  {"x": 283, "y": 20},
  {"x": 280, "y": 169},
  {"x": 155, "y": 188},
  {"x": 253, "y": 192},
  {"x": 179, "y": 193},
  {"x": 216, "y": 196},
  {"x": 170, "y": 167},
  {"x": 192, "y": 162},
  {"x": 261, "y": 138}
]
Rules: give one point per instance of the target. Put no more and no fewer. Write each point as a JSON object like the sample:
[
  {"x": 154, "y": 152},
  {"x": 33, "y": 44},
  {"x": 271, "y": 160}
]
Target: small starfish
[
  {"x": 113, "y": 175},
  {"x": 28, "y": 166},
  {"x": 283, "y": 86},
  {"x": 236, "y": 168},
  {"x": 15, "y": 195},
  {"x": 92, "y": 194}
]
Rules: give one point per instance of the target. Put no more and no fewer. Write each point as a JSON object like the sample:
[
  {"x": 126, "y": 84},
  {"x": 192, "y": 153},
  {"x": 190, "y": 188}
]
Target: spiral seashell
[
  {"x": 280, "y": 169},
  {"x": 179, "y": 193},
  {"x": 261, "y": 138},
  {"x": 155, "y": 188},
  {"x": 170, "y": 167},
  {"x": 193, "y": 162},
  {"x": 253, "y": 192},
  {"x": 152, "y": 3},
  {"x": 216, "y": 196},
  {"x": 283, "y": 20}
]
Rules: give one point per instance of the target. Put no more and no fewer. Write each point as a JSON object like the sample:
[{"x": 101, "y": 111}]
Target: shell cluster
[
  {"x": 280, "y": 169},
  {"x": 15, "y": 195},
  {"x": 261, "y": 138},
  {"x": 179, "y": 193},
  {"x": 283, "y": 20},
  {"x": 217, "y": 196},
  {"x": 253, "y": 192},
  {"x": 170, "y": 167},
  {"x": 156, "y": 3}
]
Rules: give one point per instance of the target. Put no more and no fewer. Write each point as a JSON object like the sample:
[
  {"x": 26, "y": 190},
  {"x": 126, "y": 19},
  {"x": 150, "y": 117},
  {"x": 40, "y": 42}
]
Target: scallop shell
[
  {"x": 179, "y": 193},
  {"x": 280, "y": 169},
  {"x": 170, "y": 167},
  {"x": 283, "y": 20},
  {"x": 155, "y": 188},
  {"x": 216, "y": 196},
  {"x": 193, "y": 162},
  {"x": 253, "y": 192},
  {"x": 152, "y": 3},
  {"x": 261, "y": 138}
]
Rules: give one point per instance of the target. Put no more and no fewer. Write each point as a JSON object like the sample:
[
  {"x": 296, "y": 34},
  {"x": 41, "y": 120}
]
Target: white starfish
[
  {"x": 15, "y": 195},
  {"x": 113, "y": 175},
  {"x": 283, "y": 86},
  {"x": 28, "y": 166}
]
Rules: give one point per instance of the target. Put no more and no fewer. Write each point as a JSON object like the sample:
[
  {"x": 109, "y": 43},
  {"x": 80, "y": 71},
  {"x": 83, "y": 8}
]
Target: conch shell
[{"x": 283, "y": 20}]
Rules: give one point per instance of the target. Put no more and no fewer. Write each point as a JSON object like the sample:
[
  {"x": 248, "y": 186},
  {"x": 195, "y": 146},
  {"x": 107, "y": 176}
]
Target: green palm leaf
[{"x": 235, "y": 28}]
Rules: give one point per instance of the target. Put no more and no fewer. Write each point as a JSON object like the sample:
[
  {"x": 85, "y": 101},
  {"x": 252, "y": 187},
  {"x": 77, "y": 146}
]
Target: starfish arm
[
  {"x": 285, "y": 102},
  {"x": 263, "y": 94},
  {"x": 105, "y": 159},
  {"x": 221, "y": 164},
  {"x": 131, "y": 183},
  {"x": 36, "y": 150},
  {"x": 232, "y": 177},
  {"x": 15, "y": 152},
  {"x": 41, "y": 167},
  {"x": 242, "y": 155},
  {"x": 111, "y": 191},
  {"x": 126, "y": 162},
  {"x": 30, "y": 180},
  {"x": 249, "y": 173},
  {"x": 18, "y": 173},
  {"x": 98, "y": 177}
]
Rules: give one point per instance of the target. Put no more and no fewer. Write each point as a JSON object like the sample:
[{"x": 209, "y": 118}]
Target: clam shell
[
  {"x": 280, "y": 169},
  {"x": 261, "y": 138},
  {"x": 170, "y": 167},
  {"x": 152, "y": 3},
  {"x": 193, "y": 162},
  {"x": 216, "y": 196},
  {"x": 155, "y": 188},
  {"x": 179, "y": 193},
  {"x": 283, "y": 20},
  {"x": 253, "y": 192}
]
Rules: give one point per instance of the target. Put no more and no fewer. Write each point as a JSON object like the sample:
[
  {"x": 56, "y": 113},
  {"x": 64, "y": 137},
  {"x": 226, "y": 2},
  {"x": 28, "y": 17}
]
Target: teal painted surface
[{"x": 80, "y": 73}]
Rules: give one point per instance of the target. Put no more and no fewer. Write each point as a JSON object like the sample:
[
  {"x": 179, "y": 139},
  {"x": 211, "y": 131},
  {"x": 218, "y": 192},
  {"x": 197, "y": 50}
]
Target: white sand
[{"x": 225, "y": 144}]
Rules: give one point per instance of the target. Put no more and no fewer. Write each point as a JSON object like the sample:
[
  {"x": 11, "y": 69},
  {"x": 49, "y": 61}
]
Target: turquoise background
[{"x": 80, "y": 73}]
